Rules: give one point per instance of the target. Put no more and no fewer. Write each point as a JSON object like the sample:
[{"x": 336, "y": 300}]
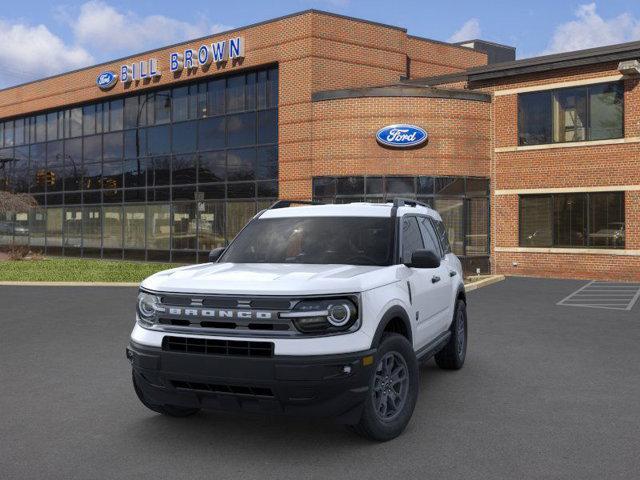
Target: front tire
[
  {"x": 169, "y": 410},
  {"x": 452, "y": 356},
  {"x": 393, "y": 390}
]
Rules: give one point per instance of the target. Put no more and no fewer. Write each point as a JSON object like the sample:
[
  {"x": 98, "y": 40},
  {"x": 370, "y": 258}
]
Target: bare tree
[{"x": 16, "y": 202}]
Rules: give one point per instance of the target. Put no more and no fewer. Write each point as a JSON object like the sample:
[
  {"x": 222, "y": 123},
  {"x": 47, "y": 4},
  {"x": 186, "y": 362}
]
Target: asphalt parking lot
[{"x": 547, "y": 392}]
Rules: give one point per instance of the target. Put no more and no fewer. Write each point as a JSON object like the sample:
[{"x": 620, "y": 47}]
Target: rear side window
[
  {"x": 411, "y": 238},
  {"x": 442, "y": 236},
  {"x": 429, "y": 236}
]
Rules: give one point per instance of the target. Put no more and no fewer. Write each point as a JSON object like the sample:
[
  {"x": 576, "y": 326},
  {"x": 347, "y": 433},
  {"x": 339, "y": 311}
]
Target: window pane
[
  {"x": 241, "y": 129},
  {"x": 570, "y": 220},
  {"x": 116, "y": 115},
  {"x": 52, "y": 126},
  {"x": 267, "y": 163},
  {"x": 268, "y": 126},
  {"x": 135, "y": 143},
  {"x": 429, "y": 236},
  {"x": 75, "y": 122},
  {"x": 54, "y": 227},
  {"x": 235, "y": 93},
  {"x": 452, "y": 213},
  {"x": 131, "y": 112},
  {"x": 350, "y": 186},
  {"x": 241, "y": 190},
  {"x": 111, "y": 175},
  {"x": 400, "y": 185},
  {"x": 92, "y": 176},
  {"x": 8, "y": 134},
  {"x": 112, "y": 146},
  {"x": 184, "y": 169},
  {"x": 211, "y": 133},
  {"x": 73, "y": 227},
  {"x": 102, "y": 117},
  {"x": 374, "y": 186},
  {"x": 21, "y": 169},
  {"x": 250, "y": 91},
  {"x": 570, "y": 115},
  {"x": 37, "y": 226},
  {"x": 241, "y": 164},
  {"x": 162, "y": 107},
  {"x": 159, "y": 140},
  {"x": 41, "y": 129},
  {"x": 184, "y": 137},
  {"x": 478, "y": 226},
  {"x": 477, "y": 186},
  {"x": 534, "y": 118},
  {"x": 411, "y": 238},
  {"x": 324, "y": 187},
  {"x": 607, "y": 220},
  {"x": 55, "y": 166},
  {"x": 536, "y": 216},
  {"x": 261, "y": 88},
  {"x": 112, "y": 237},
  {"x": 135, "y": 173},
  {"x": 449, "y": 185},
  {"x": 238, "y": 214},
  {"x": 158, "y": 227},
  {"x": 606, "y": 104},
  {"x": 272, "y": 88},
  {"x": 160, "y": 173},
  {"x": 180, "y": 103},
  {"x": 134, "y": 227},
  {"x": 92, "y": 149},
  {"x": 212, "y": 167},
  {"x": 184, "y": 226},
  {"x": 89, "y": 120},
  {"x": 211, "y": 226},
  {"x": 215, "y": 95},
  {"x": 92, "y": 227}
]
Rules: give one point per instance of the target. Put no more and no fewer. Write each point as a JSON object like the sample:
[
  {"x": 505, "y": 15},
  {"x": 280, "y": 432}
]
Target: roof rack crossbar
[
  {"x": 288, "y": 203},
  {"x": 401, "y": 202}
]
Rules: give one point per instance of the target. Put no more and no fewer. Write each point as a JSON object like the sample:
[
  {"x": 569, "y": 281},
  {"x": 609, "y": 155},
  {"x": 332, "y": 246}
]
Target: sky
[{"x": 39, "y": 38}]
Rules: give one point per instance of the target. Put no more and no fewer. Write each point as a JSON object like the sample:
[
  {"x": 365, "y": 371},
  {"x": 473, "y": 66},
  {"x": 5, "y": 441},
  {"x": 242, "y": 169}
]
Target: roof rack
[
  {"x": 401, "y": 202},
  {"x": 288, "y": 203}
]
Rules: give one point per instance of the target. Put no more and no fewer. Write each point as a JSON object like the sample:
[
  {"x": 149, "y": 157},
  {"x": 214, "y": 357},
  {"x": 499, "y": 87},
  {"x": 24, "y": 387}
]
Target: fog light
[{"x": 368, "y": 360}]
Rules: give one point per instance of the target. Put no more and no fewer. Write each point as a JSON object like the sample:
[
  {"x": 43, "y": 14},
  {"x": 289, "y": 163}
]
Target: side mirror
[
  {"x": 215, "y": 254},
  {"x": 424, "y": 259}
]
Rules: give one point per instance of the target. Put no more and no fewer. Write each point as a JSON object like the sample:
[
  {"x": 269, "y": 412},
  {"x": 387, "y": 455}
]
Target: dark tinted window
[
  {"x": 441, "y": 232},
  {"x": 534, "y": 118},
  {"x": 184, "y": 137},
  {"x": 429, "y": 236},
  {"x": 411, "y": 238},
  {"x": 211, "y": 133},
  {"x": 317, "y": 240}
]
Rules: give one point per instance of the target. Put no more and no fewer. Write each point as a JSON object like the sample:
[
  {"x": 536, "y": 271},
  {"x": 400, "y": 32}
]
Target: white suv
[{"x": 313, "y": 309}]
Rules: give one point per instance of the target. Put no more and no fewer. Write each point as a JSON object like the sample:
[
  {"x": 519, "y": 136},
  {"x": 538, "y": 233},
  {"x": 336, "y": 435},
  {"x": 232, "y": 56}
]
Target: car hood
[{"x": 270, "y": 278}]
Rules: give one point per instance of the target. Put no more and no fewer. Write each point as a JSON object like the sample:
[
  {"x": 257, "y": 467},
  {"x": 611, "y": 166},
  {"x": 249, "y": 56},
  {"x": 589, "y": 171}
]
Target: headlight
[
  {"x": 148, "y": 306},
  {"x": 331, "y": 315}
]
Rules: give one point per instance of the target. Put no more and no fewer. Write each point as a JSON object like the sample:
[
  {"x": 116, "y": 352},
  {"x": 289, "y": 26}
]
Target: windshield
[{"x": 319, "y": 240}]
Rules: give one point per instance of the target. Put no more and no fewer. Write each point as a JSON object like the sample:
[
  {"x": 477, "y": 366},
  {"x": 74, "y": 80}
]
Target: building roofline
[
  {"x": 436, "y": 79},
  {"x": 495, "y": 44},
  {"x": 441, "y": 42},
  {"x": 556, "y": 61},
  {"x": 225, "y": 32}
]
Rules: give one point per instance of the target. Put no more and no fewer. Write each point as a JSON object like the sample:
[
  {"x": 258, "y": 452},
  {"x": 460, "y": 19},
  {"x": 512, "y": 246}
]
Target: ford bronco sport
[{"x": 312, "y": 309}]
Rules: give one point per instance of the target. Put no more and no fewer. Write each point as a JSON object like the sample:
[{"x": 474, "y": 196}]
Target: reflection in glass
[
  {"x": 184, "y": 226},
  {"x": 92, "y": 227},
  {"x": 158, "y": 227},
  {"x": 134, "y": 226},
  {"x": 112, "y": 236}
]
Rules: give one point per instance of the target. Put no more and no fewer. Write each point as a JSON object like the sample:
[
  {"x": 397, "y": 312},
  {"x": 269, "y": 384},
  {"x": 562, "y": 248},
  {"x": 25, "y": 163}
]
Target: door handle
[
  {"x": 453, "y": 273},
  {"x": 435, "y": 279}
]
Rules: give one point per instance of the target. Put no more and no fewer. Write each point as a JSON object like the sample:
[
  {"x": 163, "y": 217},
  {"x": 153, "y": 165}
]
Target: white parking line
[{"x": 612, "y": 296}]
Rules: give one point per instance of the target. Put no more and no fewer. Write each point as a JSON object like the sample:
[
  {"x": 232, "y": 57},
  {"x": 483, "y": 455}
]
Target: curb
[
  {"x": 484, "y": 282},
  {"x": 70, "y": 284}
]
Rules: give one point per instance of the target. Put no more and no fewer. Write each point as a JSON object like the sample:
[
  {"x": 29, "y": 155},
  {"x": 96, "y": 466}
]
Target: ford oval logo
[
  {"x": 401, "y": 136},
  {"x": 106, "y": 80}
]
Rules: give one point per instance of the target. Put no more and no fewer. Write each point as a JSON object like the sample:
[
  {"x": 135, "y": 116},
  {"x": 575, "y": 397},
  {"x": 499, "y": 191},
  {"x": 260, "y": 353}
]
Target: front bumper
[{"x": 320, "y": 385}]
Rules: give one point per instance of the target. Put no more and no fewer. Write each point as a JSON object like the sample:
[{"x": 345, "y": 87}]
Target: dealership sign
[
  {"x": 106, "y": 80},
  {"x": 189, "y": 59},
  {"x": 401, "y": 136}
]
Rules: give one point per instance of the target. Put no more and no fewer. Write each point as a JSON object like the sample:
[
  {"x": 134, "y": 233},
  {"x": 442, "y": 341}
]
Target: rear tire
[
  {"x": 393, "y": 390},
  {"x": 169, "y": 410},
  {"x": 452, "y": 356}
]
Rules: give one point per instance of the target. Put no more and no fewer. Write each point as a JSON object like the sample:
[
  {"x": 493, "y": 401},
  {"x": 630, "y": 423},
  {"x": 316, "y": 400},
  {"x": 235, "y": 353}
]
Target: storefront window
[
  {"x": 134, "y": 226},
  {"x": 573, "y": 220},
  {"x": 158, "y": 227},
  {"x": 92, "y": 227},
  {"x": 593, "y": 112},
  {"x": 112, "y": 234}
]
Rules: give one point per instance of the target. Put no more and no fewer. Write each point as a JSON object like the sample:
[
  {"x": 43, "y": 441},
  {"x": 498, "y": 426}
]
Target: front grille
[
  {"x": 228, "y": 389},
  {"x": 208, "y": 346}
]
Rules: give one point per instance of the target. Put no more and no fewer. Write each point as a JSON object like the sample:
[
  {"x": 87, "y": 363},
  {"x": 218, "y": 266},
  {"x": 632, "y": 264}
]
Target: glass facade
[
  {"x": 573, "y": 220},
  {"x": 593, "y": 112},
  {"x": 161, "y": 175},
  {"x": 463, "y": 202}
]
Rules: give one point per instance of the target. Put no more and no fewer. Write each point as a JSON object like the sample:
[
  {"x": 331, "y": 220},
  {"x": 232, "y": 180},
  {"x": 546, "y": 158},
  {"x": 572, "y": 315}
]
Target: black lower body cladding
[{"x": 325, "y": 386}]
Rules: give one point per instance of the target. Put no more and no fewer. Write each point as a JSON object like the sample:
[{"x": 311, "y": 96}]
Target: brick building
[{"x": 166, "y": 154}]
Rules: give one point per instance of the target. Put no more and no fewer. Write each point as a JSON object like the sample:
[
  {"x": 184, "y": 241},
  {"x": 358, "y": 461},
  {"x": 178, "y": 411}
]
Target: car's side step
[{"x": 429, "y": 350}]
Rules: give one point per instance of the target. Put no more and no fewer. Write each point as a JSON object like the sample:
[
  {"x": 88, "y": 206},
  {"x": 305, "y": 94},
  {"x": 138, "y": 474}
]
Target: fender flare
[{"x": 394, "y": 312}]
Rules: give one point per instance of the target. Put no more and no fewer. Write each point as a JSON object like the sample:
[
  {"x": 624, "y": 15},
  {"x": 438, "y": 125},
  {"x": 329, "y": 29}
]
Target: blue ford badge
[
  {"x": 106, "y": 80},
  {"x": 401, "y": 136}
]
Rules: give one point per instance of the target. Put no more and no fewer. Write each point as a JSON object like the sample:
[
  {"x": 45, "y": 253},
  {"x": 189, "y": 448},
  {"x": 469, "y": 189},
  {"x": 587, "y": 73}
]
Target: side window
[
  {"x": 411, "y": 238},
  {"x": 442, "y": 235},
  {"x": 429, "y": 236}
]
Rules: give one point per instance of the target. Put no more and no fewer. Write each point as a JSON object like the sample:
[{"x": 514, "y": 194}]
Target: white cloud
[
  {"x": 469, "y": 31},
  {"x": 591, "y": 30},
  {"x": 28, "y": 52},
  {"x": 104, "y": 29}
]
